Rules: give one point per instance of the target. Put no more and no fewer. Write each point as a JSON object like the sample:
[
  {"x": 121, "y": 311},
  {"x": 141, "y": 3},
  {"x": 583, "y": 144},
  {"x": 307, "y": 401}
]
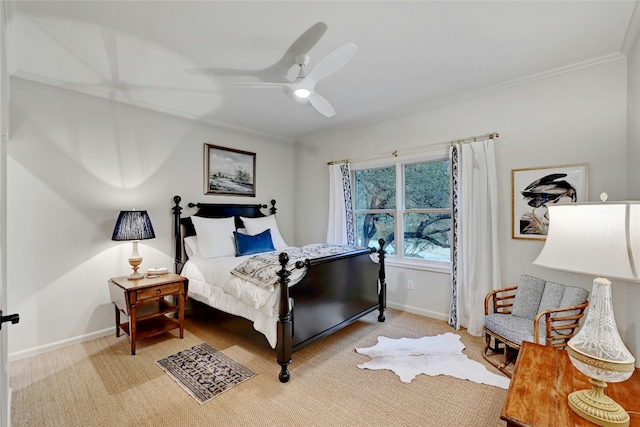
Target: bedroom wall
[
  {"x": 75, "y": 161},
  {"x": 633, "y": 122},
  {"x": 572, "y": 117},
  {"x": 632, "y": 324}
]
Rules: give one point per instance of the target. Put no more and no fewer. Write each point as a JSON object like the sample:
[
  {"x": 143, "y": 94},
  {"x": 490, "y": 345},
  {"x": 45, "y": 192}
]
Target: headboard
[{"x": 210, "y": 210}]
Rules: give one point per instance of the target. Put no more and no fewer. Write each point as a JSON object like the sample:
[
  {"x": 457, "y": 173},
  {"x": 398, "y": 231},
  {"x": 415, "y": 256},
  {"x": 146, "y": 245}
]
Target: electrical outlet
[{"x": 410, "y": 284}]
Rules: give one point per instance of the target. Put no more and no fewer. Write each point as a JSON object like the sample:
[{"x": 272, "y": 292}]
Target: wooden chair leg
[
  {"x": 509, "y": 354},
  {"x": 489, "y": 350},
  {"x": 496, "y": 345}
]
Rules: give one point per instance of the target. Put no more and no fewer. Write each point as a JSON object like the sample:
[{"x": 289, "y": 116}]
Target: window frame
[{"x": 398, "y": 212}]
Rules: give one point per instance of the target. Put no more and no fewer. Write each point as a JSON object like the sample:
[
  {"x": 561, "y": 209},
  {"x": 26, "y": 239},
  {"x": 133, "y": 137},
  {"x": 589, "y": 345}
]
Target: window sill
[{"x": 436, "y": 267}]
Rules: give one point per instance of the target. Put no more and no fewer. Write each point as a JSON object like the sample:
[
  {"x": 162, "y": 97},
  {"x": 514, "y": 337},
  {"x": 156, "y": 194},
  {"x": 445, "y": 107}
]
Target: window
[{"x": 408, "y": 199}]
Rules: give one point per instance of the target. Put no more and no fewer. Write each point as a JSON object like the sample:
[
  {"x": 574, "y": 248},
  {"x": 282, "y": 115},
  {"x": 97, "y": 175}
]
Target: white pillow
[
  {"x": 215, "y": 236},
  {"x": 191, "y": 246},
  {"x": 258, "y": 225}
]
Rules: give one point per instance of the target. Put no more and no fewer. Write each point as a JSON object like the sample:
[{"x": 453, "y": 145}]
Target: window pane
[
  {"x": 426, "y": 236},
  {"x": 427, "y": 185},
  {"x": 375, "y": 188},
  {"x": 372, "y": 227}
]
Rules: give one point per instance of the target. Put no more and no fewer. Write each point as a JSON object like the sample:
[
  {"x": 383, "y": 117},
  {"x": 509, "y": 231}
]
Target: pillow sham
[
  {"x": 258, "y": 225},
  {"x": 191, "y": 247},
  {"x": 249, "y": 245},
  {"x": 215, "y": 236}
]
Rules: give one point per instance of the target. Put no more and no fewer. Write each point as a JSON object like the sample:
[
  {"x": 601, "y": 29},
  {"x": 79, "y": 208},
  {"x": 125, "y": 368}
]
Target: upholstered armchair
[{"x": 535, "y": 310}]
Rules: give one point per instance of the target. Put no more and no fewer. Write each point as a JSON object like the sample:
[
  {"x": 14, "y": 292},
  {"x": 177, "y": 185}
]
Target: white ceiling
[{"x": 175, "y": 56}]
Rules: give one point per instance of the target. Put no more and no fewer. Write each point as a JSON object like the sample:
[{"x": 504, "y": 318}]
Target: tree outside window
[{"x": 407, "y": 199}]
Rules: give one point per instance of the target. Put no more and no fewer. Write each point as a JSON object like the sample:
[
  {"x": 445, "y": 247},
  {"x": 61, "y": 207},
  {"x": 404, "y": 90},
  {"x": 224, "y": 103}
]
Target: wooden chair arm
[
  {"x": 559, "y": 323},
  {"x": 498, "y": 302}
]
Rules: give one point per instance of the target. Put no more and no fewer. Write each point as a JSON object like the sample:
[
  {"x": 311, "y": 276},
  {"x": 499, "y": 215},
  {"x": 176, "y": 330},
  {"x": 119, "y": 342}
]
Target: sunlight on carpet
[
  {"x": 438, "y": 355},
  {"x": 204, "y": 372}
]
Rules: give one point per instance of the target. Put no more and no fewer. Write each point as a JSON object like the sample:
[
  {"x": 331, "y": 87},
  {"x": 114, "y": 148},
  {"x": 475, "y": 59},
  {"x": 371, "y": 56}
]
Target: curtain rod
[{"x": 466, "y": 140}]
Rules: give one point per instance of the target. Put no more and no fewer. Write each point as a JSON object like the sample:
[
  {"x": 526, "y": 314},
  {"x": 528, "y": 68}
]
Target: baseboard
[
  {"x": 59, "y": 344},
  {"x": 419, "y": 311}
]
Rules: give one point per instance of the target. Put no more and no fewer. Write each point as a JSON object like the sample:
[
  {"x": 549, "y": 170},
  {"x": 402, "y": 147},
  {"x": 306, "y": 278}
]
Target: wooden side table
[
  {"x": 544, "y": 377},
  {"x": 143, "y": 301}
]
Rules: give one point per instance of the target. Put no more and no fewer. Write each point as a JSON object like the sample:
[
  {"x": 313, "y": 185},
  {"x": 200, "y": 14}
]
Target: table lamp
[
  {"x": 603, "y": 240},
  {"x": 134, "y": 226}
]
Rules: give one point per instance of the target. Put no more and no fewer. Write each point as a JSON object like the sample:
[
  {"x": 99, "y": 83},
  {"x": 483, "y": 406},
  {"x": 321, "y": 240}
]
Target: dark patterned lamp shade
[{"x": 133, "y": 226}]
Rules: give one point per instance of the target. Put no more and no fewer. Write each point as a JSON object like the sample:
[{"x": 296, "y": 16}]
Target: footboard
[{"x": 335, "y": 292}]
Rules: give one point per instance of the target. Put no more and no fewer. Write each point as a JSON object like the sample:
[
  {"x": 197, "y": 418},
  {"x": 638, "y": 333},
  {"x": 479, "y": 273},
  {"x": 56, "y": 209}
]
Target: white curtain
[
  {"x": 340, "y": 228},
  {"x": 475, "y": 263}
]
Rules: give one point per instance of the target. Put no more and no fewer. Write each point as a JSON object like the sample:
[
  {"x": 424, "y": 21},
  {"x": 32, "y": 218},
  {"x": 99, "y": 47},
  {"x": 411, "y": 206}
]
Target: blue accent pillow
[{"x": 248, "y": 245}]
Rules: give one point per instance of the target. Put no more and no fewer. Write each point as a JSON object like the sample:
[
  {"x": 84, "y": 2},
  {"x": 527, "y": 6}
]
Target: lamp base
[
  {"x": 595, "y": 406},
  {"x": 135, "y": 260}
]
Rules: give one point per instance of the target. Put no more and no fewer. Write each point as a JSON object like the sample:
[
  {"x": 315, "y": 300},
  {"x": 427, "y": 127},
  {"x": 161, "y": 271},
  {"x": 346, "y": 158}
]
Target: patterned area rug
[
  {"x": 439, "y": 355},
  {"x": 204, "y": 372}
]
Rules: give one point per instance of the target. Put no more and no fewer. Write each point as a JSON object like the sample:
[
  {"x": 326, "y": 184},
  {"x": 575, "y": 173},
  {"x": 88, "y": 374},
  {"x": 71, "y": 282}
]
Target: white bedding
[{"x": 211, "y": 282}]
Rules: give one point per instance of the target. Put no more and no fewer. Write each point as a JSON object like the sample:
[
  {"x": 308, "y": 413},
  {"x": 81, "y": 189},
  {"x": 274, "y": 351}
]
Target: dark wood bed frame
[{"x": 335, "y": 291}]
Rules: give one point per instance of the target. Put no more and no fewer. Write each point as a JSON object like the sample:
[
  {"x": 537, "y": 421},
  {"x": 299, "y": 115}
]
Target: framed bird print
[{"x": 533, "y": 189}]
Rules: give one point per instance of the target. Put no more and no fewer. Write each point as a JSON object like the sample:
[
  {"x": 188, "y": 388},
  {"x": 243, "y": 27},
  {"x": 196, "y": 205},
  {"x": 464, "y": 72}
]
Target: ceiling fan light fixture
[
  {"x": 303, "y": 87},
  {"x": 302, "y": 93}
]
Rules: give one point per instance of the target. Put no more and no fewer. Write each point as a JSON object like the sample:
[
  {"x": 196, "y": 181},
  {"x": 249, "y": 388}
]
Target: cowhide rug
[{"x": 439, "y": 355}]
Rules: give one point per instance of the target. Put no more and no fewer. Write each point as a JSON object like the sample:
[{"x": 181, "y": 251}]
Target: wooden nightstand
[{"x": 143, "y": 301}]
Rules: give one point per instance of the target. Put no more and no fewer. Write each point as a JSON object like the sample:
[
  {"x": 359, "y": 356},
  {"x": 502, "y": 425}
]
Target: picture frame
[
  {"x": 533, "y": 189},
  {"x": 228, "y": 171}
]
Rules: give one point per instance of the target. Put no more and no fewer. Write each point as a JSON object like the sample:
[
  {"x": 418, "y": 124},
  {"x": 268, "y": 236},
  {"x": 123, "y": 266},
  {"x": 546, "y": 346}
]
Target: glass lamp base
[{"x": 595, "y": 406}]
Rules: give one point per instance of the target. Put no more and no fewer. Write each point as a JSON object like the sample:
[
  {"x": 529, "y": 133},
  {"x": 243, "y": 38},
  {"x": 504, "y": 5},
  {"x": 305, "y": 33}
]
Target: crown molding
[{"x": 471, "y": 94}]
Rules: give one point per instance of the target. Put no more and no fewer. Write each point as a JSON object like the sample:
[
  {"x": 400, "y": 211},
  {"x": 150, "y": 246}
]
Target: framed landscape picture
[
  {"x": 228, "y": 171},
  {"x": 533, "y": 189}
]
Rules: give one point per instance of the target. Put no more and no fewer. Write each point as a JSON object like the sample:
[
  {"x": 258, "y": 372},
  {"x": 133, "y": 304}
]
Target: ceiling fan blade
[
  {"x": 333, "y": 62},
  {"x": 325, "y": 67},
  {"x": 321, "y": 104}
]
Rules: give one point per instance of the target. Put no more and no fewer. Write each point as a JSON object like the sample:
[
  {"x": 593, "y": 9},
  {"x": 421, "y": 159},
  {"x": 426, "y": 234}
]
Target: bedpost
[
  {"x": 273, "y": 208},
  {"x": 284, "y": 345},
  {"x": 382, "y": 295},
  {"x": 177, "y": 265}
]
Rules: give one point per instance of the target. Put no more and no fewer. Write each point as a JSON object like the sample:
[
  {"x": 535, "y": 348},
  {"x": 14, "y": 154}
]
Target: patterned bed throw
[{"x": 261, "y": 269}]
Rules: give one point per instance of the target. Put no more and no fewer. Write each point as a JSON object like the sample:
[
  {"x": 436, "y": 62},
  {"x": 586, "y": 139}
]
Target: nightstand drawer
[{"x": 159, "y": 291}]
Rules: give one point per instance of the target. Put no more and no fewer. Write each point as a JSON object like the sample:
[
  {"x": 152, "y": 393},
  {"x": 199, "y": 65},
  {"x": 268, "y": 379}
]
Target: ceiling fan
[{"x": 303, "y": 86}]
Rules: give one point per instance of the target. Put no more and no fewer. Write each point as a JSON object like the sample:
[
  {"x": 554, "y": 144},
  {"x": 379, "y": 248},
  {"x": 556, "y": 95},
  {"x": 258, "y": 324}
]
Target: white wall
[
  {"x": 574, "y": 117},
  {"x": 632, "y": 324},
  {"x": 75, "y": 161}
]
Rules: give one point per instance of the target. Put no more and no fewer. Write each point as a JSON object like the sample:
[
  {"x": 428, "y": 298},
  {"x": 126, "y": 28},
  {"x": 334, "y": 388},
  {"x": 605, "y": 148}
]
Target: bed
[{"x": 310, "y": 298}]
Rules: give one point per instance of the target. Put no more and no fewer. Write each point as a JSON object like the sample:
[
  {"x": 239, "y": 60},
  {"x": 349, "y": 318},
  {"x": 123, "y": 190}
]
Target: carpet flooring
[{"x": 99, "y": 383}]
